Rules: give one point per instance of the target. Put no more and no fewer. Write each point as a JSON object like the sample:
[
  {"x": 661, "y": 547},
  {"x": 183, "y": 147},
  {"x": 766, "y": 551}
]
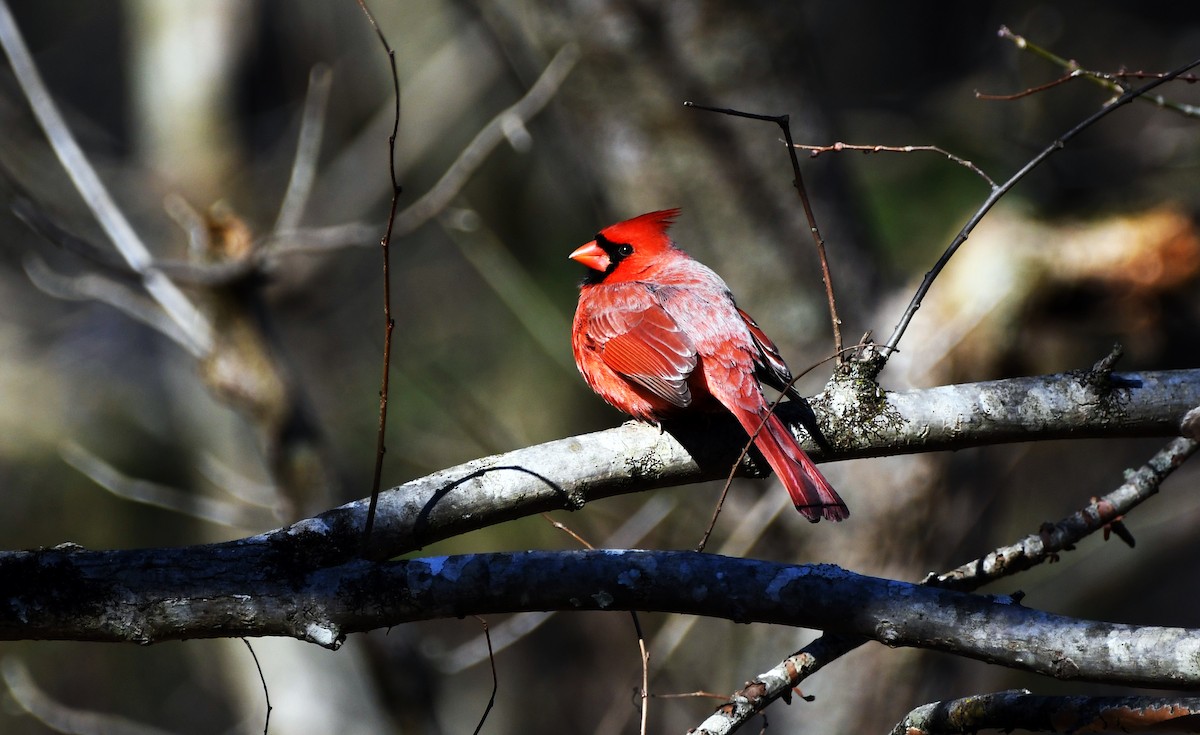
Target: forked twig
[
  {"x": 193, "y": 326},
  {"x": 1056, "y": 145},
  {"x": 450, "y": 185},
  {"x": 1114, "y": 82}
]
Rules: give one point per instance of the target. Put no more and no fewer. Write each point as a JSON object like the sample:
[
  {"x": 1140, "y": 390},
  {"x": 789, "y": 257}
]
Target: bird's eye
[{"x": 624, "y": 249}]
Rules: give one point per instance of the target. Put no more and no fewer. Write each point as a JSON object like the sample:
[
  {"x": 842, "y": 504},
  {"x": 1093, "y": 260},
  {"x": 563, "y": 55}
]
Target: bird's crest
[{"x": 645, "y": 228}]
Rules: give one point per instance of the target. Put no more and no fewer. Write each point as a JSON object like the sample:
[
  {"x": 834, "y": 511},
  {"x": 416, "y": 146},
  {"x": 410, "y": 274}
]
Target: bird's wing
[
  {"x": 771, "y": 368},
  {"x": 638, "y": 339}
]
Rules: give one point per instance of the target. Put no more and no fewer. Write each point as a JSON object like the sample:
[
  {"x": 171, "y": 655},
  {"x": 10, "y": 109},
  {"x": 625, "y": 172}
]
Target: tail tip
[{"x": 830, "y": 512}]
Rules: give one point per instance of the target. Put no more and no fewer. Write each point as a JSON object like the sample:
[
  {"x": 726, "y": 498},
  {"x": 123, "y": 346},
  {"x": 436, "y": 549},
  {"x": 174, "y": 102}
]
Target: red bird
[{"x": 657, "y": 332}]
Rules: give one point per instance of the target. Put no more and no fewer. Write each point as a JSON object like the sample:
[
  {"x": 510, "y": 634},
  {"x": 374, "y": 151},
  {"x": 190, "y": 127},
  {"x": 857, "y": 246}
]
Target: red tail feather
[{"x": 812, "y": 494}]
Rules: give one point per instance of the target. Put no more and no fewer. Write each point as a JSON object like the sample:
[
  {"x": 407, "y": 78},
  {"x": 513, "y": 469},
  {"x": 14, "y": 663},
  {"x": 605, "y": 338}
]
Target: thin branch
[
  {"x": 749, "y": 529},
  {"x": 1140, "y": 485},
  {"x": 193, "y": 224},
  {"x": 46, "y": 227},
  {"x": 235, "y": 515},
  {"x": 193, "y": 326},
  {"x": 644, "y": 654},
  {"x": 644, "y": 694},
  {"x": 322, "y": 239},
  {"x": 816, "y": 150},
  {"x": 266, "y": 690},
  {"x": 441, "y": 194},
  {"x": 246, "y": 490},
  {"x": 308, "y": 148},
  {"x": 1055, "y": 146},
  {"x": 495, "y": 678},
  {"x": 783, "y": 121},
  {"x": 516, "y": 627},
  {"x": 1028, "y": 92},
  {"x": 93, "y": 287},
  {"x": 472, "y": 157},
  {"x": 1113, "y": 82},
  {"x": 389, "y": 323},
  {"x": 57, "y": 716}
]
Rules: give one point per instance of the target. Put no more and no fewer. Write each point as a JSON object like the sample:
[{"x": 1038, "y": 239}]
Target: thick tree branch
[
  {"x": 1021, "y": 710},
  {"x": 781, "y": 679},
  {"x": 305, "y": 580},
  {"x": 148, "y": 596},
  {"x": 569, "y": 473}
]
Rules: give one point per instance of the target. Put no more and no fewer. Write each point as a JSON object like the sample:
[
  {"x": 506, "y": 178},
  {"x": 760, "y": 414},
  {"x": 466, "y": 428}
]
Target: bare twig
[
  {"x": 1113, "y": 82},
  {"x": 749, "y": 529},
  {"x": 783, "y": 121},
  {"x": 514, "y": 628},
  {"x": 492, "y": 134},
  {"x": 495, "y": 678},
  {"x": 322, "y": 239},
  {"x": 441, "y": 194},
  {"x": 1026, "y": 92},
  {"x": 194, "y": 328},
  {"x": 57, "y": 716},
  {"x": 266, "y": 691},
  {"x": 644, "y": 695},
  {"x": 245, "y": 489},
  {"x": 120, "y": 296},
  {"x": 388, "y": 322},
  {"x": 816, "y": 150},
  {"x": 1056, "y": 145},
  {"x": 224, "y": 513},
  {"x": 193, "y": 224},
  {"x": 1036, "y": 548},
  {"x": 308, "y": 148},
  {"x": 569, "y": 531}
]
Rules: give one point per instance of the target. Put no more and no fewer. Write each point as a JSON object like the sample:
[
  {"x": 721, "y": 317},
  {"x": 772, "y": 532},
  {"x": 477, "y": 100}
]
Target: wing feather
[
  {"x": 771, "y": 368},
  {"x": 637, "y": 338}
]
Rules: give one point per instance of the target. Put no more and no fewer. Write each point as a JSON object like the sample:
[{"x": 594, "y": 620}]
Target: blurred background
[{"x": 191, "y": 112}]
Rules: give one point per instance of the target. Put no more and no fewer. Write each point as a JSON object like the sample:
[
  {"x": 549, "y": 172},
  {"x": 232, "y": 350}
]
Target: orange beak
[{"x": 592, "y": 255}]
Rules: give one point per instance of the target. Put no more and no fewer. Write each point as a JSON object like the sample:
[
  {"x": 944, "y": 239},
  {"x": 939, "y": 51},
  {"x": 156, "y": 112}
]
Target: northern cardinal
[{"x": 657, "y": 333}]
